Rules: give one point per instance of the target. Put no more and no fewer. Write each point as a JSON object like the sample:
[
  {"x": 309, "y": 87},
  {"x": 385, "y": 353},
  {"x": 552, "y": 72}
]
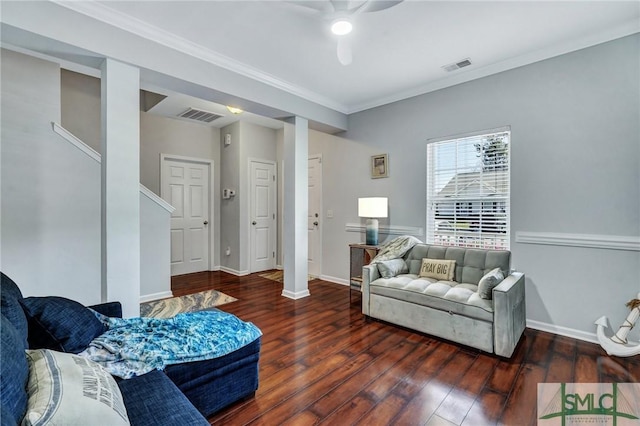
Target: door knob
[
  {"x": 254, "y": 223},
  {"x": 315, "y": 223},
  {"x": 206, "y": 222}
]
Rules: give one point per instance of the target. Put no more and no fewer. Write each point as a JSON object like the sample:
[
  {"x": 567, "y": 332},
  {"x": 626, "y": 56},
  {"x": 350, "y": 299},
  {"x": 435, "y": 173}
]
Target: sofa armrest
[
  {"x": 370, "y": 273},
  {"x": 110, "y": 309},
  {"x": 509, "y": 316}
]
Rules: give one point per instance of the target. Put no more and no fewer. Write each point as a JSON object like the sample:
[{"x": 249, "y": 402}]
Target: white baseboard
[
  {"x": 563, "y": 331},
  {"x": 155, "y": 296},
  {"x": 295, "y": 295},
  {"x": 279, "y": 267},
  {"x": 335, "y": 280},
  {"x": 234, "y": 272}
]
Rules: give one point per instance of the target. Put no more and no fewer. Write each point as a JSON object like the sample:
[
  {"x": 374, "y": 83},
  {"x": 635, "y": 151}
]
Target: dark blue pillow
[
  {"x": 10, "y": 297},
  {"x": 60, "y": 324},
  {"x": 14, "y": 373}
]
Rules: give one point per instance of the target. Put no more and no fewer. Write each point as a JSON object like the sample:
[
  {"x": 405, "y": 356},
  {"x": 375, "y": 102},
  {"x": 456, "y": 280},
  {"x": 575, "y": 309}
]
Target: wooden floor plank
[{"x": 322, "y": 362}]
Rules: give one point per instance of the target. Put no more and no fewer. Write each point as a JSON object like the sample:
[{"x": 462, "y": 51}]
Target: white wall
[
  {"x": 155, "y": 250},
  {"x": 49, "y": 248},
  {"x": 158, "y": 135},
  {"x": 575, "y": 169}
]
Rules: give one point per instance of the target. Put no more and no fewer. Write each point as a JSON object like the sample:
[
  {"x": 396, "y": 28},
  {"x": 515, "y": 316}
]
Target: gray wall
[
  {"x": 80, "y": 99},
  {"x": 575, "y": 169},
  {"x": 248, "y": 141},
  {"x": 48, "y": 247}
]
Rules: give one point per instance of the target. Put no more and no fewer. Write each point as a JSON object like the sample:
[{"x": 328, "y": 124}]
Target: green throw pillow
[
  {"x": 488, "y": 282},
  {"x": 393, "y": 267}
]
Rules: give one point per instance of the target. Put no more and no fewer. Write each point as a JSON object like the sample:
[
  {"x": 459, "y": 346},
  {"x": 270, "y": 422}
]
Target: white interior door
[
  {"x": 185, "y": 185},
  {"x": 262, "y": 214},
  {"x": 315, "y": 216}
]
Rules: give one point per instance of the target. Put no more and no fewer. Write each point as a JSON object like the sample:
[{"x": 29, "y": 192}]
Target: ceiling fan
[{"x": 341, "y": 14}]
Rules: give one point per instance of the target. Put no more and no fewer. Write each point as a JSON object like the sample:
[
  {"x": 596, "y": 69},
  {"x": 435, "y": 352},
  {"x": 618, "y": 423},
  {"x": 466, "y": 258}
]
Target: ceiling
[{"x": 397, "y": 53}]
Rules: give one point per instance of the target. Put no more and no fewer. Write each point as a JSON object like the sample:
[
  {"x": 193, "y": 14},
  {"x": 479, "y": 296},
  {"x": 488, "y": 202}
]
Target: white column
[
  {"x": 296, "y": 206},
  {"x": 121, "y": 185}
]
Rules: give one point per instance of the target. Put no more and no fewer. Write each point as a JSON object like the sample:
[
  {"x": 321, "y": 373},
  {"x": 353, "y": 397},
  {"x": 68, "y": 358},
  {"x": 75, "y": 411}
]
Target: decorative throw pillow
[
  {"x": 393, "y": 267},
  {"x": 488, "y": 282},
  {"x": 67, "y": 389},
  {"x": 60, "y": 324},
  {"x": 438, "y": 268}
]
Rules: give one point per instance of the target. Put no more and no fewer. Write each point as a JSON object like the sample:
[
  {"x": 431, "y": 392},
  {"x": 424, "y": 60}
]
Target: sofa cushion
[
  {"x": 488, "y": 282},
  {"x": 60, "y": 324},
  {"x": 10, "y": 297},
  {"x": 152, "y": 399},
  {"x": 67, "y": 389},
  {"x": 438, "y": 268},
  {"x": 393, "y": 267},
  {"x": 471, "y": 264},
  {"x": 14, "y": 372},
  {"x": 449, "y": 296}
]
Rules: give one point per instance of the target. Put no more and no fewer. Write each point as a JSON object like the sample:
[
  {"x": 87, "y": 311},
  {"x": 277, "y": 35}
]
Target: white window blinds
[{"x": 468, "y": 187}]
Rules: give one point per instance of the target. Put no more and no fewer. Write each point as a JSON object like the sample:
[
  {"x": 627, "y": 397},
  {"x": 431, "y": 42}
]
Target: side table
[{"x": 361, "y": 255}]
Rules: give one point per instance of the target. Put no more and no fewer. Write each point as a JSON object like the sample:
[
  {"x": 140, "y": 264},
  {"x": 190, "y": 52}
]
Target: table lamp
[{"x": 372, "y": 208}]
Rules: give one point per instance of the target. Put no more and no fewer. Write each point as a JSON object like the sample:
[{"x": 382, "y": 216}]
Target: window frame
[{"x": 459, "y": 230}]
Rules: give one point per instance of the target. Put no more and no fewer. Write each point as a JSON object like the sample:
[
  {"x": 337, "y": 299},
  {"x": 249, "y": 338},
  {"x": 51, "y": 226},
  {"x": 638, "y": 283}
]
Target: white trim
[
  {"x": 165, "y": 38},
  {"x": 143, "y": 29},
  {"x": 234, "y": 272},
  {"x": 91, "y": 153},
  {"x": 334, "y": 280},
  {"x": 611, "y": 242},
  {"x": 156, "y": 296},
  {"x": 567, "y": 332},
  {"x": 212, "y": 192},
  {"x": 153, "y": 197},
  {"x": 295, "y": 295},
  {"x": 623, "y": 30},
  {"x": 389, "y": 230},
  {"x": 75, "y": 141}
]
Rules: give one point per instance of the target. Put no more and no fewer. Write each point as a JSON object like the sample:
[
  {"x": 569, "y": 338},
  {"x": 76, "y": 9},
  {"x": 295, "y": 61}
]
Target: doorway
[
  {"x": 186, "y": 185},
  {"x": 262, "y": 215},
  {"x": 315, "y": 216}
]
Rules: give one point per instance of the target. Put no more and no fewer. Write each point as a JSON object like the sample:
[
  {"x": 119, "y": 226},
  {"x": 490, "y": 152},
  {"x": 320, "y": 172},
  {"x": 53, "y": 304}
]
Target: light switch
[{"x": 330, "y": 214}]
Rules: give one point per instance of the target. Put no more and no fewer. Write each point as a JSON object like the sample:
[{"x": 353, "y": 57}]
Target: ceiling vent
[
  {"x": 199, "y": 115},
  {"x": 457, "y": 65}
]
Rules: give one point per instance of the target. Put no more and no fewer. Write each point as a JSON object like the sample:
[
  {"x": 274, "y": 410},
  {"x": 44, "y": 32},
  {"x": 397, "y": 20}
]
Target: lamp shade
[{"x": 373, "y": 207}]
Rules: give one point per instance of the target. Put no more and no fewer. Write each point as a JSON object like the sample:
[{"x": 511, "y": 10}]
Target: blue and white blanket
[{"x": 134, "y": 346}]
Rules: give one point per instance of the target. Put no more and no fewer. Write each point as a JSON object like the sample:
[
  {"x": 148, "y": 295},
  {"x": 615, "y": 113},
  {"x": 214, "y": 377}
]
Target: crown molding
[
  {"x": 165, "y": 38},
  {"x": 626, "y": 29},
  {"x": 143, "y": 29}
]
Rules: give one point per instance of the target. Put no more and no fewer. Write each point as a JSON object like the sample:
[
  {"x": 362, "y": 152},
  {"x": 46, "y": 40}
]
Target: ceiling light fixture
[
  {"x": 341, "y": 26},
  {"x": 234, "y": 110}
]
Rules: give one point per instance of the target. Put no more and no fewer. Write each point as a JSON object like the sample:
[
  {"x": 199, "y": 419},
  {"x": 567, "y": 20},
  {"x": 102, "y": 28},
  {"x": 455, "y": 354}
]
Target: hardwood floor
[{"x": 323, "y": 363}]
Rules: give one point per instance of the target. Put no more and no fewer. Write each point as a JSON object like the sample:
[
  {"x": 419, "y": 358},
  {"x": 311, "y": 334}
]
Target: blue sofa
[{"x": 183, "y": 394}]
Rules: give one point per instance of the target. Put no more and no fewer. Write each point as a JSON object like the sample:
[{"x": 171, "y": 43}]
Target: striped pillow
[{"x": 67, "y": 389}]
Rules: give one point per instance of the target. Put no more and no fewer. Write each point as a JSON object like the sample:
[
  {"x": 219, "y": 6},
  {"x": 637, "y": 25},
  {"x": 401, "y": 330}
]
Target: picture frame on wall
[{"x": 379, "y": 166}]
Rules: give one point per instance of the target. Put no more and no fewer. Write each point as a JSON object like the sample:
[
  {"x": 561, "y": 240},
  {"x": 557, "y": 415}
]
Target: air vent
[
  {"x": 457, "y": 65},
  {"x": 199, "y": 115}
]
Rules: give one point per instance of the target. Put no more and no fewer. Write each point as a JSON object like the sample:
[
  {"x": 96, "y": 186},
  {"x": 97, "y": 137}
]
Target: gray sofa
[{"x": 450, "y": 309}]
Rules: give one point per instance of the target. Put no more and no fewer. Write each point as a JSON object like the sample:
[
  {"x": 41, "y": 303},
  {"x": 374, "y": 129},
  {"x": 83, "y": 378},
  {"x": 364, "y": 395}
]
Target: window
[{"x": 468, "y": 187}]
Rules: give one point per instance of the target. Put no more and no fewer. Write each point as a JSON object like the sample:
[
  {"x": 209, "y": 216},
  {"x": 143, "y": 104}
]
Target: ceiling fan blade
[
  {"x": 323, "y": 7},
  {"x": 345, "y": 57},
  {"x": 377, "y": 5}
]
